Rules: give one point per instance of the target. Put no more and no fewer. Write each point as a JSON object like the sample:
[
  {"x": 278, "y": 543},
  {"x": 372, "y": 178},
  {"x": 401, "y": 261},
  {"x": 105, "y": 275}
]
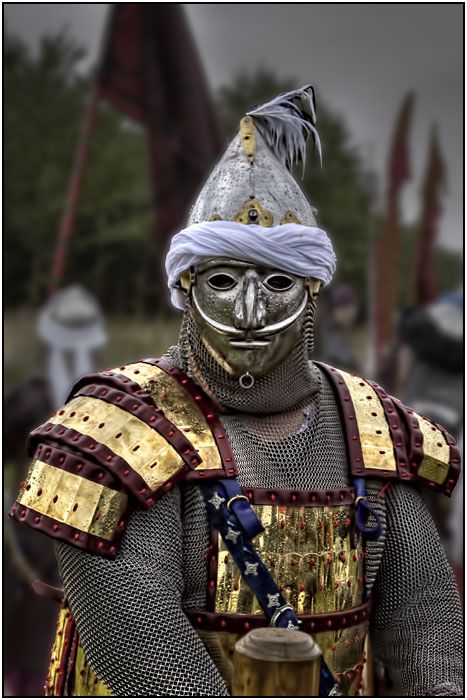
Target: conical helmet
[
  {"x": 251, "y": 208},
  {"x": 252, "y": 183}
]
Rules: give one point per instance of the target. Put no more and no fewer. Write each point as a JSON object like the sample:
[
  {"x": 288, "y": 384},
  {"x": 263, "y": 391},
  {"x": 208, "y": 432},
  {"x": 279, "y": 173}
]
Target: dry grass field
[{"x": 130, "y": 338}]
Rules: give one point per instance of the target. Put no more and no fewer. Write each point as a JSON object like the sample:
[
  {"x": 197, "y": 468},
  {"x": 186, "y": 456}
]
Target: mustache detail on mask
[{"x": 256, "y": 333}]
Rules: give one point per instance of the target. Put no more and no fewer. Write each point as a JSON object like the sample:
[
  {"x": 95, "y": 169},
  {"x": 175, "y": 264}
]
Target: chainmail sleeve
[
  {"x": 129, "y": 611},
  {"x": 417, "y": 619}
]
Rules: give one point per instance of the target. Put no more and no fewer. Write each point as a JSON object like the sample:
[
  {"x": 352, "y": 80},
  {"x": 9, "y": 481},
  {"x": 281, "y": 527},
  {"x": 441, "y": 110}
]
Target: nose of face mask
[{"x": 249, "y": 312}]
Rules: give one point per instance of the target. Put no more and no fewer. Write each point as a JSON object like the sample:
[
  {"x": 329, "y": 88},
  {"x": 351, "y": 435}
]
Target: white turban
[{"x": 300, "y": 250}]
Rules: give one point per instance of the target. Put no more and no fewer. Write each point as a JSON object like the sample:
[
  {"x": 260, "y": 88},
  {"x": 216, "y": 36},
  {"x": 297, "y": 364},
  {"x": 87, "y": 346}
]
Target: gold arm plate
[
  {"x": 147, "y": 452},
  {"x": 435, "y": 463},
  {"x": 178, "y": 407},
  {"x": 73, "y": 500},
  {"x": 375, "y": 438}
]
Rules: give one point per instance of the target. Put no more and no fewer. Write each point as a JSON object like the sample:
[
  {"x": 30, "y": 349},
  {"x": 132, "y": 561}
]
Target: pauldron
[{"x": 127, "y": 435}]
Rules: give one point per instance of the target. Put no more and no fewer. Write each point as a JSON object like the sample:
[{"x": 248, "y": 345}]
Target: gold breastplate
[
  {"x": 310, "y": 552},
  {"x": 313, "y": 550}
]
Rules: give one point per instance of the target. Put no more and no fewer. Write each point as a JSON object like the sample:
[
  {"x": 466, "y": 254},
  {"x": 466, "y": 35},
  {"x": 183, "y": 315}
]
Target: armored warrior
[{"x": 237, "y": 483}]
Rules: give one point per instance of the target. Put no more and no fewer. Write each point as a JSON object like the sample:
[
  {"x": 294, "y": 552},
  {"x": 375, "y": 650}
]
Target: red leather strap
[{"x": 240, "y": 624}]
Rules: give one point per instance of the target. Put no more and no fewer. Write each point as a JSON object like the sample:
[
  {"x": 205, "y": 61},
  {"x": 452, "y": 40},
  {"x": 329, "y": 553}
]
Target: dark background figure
[
  {"x": 430, "y": 380},
  {"x": 71, "y": 330},
  {"x": 337, "y": 324}
]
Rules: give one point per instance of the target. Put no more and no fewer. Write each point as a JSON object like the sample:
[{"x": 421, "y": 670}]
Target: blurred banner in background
[
  {"x": 149, "y": 71},
  {"x": 102, "y": 163}
]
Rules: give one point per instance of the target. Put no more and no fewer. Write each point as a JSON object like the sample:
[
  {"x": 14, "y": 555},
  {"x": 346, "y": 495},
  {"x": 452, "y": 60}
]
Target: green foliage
[
  {"x": 113, "y": 245},
  {"x": 41, "y": 104}
]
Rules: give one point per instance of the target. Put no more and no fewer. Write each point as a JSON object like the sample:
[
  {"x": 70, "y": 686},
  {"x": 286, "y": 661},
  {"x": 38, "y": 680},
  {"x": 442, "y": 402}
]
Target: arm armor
[{"x": 124, "y": 438}]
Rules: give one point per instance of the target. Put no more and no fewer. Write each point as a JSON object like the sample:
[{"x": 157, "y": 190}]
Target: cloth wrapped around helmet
[{"x": 300, "y": 250}]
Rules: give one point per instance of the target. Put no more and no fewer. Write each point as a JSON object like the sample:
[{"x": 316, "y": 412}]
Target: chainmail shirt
[{"x": 285, "y": 433}]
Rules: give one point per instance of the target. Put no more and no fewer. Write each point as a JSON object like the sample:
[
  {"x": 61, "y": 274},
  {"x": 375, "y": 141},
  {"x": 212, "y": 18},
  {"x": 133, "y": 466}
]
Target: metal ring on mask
[{"x": 267, "y": 330}]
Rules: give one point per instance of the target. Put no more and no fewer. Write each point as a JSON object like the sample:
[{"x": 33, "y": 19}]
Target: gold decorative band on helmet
[
  {"x": 73, "y": 500},
  {"x": 253, "y": 212},
  {"x": 247, "y": 137}
]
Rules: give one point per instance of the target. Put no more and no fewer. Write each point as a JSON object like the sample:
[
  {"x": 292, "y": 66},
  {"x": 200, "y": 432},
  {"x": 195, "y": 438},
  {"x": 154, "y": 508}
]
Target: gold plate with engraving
[
  {"x": 73, "y": 500},
  {"x": 147, "y": 452},
  {"x": 289, "y": 218},
  {"x": 309, "y": 552},
  {"x": 436, "y": 453},
  {"x": 375, "y": 438},
  {"x": 178, "y": 407},
  {"x": 253, "y": 207}
]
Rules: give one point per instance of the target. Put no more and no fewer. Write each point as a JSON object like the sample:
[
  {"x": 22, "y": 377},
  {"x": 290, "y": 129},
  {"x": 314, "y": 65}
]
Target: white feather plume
[{"x": 286, "y": 122}]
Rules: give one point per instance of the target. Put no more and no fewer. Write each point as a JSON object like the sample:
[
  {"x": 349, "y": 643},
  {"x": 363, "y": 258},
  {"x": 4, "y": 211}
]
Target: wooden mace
[{"x": 276, "y": 662}]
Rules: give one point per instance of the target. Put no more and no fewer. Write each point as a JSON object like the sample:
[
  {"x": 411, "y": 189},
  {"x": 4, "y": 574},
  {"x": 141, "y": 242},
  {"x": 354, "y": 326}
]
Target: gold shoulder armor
[
  {"x": 124, "y": 438},
  {"x": 387, "y": 440}
]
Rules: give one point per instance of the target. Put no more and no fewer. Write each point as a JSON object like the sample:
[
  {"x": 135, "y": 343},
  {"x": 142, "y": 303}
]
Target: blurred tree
[
  {"x": 42, "y": 102},
  {"x": 113, "y": 243},
  {"x": 448, "y": 266}
]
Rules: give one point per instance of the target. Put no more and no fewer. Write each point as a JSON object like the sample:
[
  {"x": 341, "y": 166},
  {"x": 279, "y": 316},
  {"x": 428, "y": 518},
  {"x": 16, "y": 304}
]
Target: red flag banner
[
  {"x": 150, "y": 70},
  {"x": 386, "y": 251},
  {"x": 424, "y": 287}
]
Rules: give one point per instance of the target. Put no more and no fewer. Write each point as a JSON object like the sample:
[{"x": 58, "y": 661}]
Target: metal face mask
[{"x": 249, "y": 317}]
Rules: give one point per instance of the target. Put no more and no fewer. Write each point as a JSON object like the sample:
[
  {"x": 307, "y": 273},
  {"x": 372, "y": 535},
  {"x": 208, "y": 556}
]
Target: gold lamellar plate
[
  {"x": 85, "y": 681},
  {"x": 310, "y": 554},
  {"x": 435, "y": 463},
  {"x": 147, "y": 452},
  {"x": 375, "y": 438},
  {"x": 58, "y": 651},
  {"x": 178, "y": 407},
  {"x": 73, "y": 500}
]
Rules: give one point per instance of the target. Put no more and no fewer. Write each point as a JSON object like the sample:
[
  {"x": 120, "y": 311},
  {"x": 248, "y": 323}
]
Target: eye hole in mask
[
  {"x": 279, "y": 283},
  {"x": 221, "y": 281}
]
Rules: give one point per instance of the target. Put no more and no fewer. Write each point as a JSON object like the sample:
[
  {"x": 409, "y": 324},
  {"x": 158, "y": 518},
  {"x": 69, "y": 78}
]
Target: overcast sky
[{"x": 362, "y": 58}]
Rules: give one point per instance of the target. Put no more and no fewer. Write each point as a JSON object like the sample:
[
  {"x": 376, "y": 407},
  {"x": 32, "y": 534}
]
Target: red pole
[{"x": 67, "y": 221}]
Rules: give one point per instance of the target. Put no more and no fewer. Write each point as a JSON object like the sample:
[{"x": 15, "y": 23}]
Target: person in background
[
  {"x": 71, "y": 330},
  {"x": 337, "y": 323},
  {"x": 431, "y": 362}
]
